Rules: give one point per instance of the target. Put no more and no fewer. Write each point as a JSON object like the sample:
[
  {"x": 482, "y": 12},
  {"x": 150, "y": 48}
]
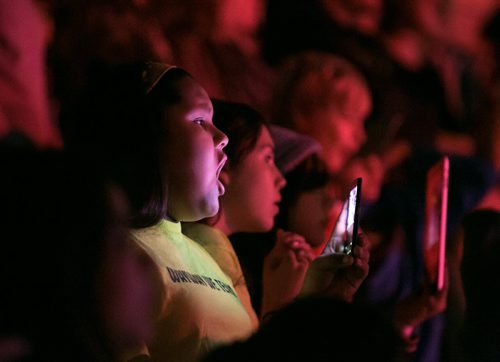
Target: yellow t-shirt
[
  {"x": 200, "y": 310},
  {"x": 220, "y": 248}
]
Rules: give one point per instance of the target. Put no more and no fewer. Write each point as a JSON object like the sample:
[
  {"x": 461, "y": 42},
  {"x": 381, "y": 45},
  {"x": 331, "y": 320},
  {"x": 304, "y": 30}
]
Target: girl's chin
[
  {"x": 214, "y": 209},
  {"x": 267, "y": 226},
  {"x": 263, "y": 226}
]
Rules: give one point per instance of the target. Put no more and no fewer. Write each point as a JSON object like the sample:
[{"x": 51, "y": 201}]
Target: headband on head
[{"x": 152, "y": 74}]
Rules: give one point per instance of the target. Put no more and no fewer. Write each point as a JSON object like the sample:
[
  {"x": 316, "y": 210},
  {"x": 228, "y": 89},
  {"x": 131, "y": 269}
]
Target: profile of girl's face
[
  {"x": 192, "y": 155},
  {"x": 253, "y": 188}
]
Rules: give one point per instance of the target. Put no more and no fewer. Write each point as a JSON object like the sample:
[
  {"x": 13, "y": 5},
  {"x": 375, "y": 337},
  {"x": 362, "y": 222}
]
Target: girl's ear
[{"x": 224, "y": 177}]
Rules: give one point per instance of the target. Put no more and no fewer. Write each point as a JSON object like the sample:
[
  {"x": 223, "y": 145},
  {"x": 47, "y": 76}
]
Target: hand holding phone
[
  {"x": 338, "y": 275},
  {"x": 345, "y": 232}
]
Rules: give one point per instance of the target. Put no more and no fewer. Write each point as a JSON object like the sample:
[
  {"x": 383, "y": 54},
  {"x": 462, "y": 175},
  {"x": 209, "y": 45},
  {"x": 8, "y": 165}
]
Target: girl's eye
[
  {"x": 200, "y": 122},
  {"x": 269, "y": 158}
]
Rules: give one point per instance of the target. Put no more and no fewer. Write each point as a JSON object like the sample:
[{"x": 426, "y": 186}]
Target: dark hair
[
  {"x": 54, "y": 214},
  {"x": 242, "y": 124},
  {"x": 152, "y": 206},
  {"x": 116, "y": 122},
  {"x": 309, "y": 175}
]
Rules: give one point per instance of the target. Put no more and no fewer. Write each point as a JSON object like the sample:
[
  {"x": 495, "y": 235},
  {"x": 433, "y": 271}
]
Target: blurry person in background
[
  {"x": 218, "y": 42},
  {"x": 458, "y": 50},
  {"x": 75, "y": 287},
  {"x": 472, "y": 332},
  {"x": 326, "y": 97},
  {"x": 100, "y": 31},
  {"x": 25, "y": 110},
  {"x": 360, "y": 15},
  {"x": 481, "y": 253}
]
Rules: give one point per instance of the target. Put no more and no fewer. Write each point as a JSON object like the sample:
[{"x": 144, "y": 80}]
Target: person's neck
[{"x": 221, "y": 222}]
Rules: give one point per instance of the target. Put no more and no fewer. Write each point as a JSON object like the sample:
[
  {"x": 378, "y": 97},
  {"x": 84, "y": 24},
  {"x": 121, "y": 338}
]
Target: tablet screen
[{"x": 436, "y": 206}]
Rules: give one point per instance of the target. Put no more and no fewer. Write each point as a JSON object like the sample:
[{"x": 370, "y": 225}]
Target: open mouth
[
  {"x": 221, "y": 165},
  {"x": 277, "y": 205},
  {"x": 220, "y": 186}
]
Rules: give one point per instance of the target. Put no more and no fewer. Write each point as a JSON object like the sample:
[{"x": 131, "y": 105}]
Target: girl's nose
[
  {"x": 280, "y": 181},
  {"x": 220, "y": 138}
]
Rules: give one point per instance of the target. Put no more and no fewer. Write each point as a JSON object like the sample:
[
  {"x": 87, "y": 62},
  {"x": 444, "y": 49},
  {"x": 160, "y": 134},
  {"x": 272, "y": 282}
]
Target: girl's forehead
[
  {"x": 192, "y": 91},
  {"x": 264, "y": 138},
  {"x": 194, "y": 96}
]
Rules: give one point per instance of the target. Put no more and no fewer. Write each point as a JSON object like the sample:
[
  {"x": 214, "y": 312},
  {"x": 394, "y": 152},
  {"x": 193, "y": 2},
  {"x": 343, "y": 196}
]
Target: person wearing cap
[
  {"x": 311, "y": 199},
  {"x": 151, "y": 125},
  {"x": 310, "y": 205}
]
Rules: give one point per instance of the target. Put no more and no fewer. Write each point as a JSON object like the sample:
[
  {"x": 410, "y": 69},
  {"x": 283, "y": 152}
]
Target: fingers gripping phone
[
  {"x": 345, "y": 232},
  {"x": 434, "y": 238}
]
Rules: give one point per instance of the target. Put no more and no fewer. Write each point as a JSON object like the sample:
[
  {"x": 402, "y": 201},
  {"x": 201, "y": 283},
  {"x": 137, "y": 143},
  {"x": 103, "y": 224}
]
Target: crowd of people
[{"x": 172, "y": 171}]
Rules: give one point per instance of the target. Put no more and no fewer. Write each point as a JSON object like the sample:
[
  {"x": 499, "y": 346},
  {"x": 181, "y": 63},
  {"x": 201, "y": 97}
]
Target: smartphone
[
  {"x": 345, "y": 232},
  {"x": 434, "y": 237}
]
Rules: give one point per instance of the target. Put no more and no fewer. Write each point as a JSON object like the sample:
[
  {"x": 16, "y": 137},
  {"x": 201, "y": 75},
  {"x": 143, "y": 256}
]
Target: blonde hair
[{"x": 312, "y": 81}]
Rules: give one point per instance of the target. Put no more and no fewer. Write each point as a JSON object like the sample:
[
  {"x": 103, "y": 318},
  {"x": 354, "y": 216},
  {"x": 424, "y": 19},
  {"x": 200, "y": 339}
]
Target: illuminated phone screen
[{"x": 343, "y": 238}]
